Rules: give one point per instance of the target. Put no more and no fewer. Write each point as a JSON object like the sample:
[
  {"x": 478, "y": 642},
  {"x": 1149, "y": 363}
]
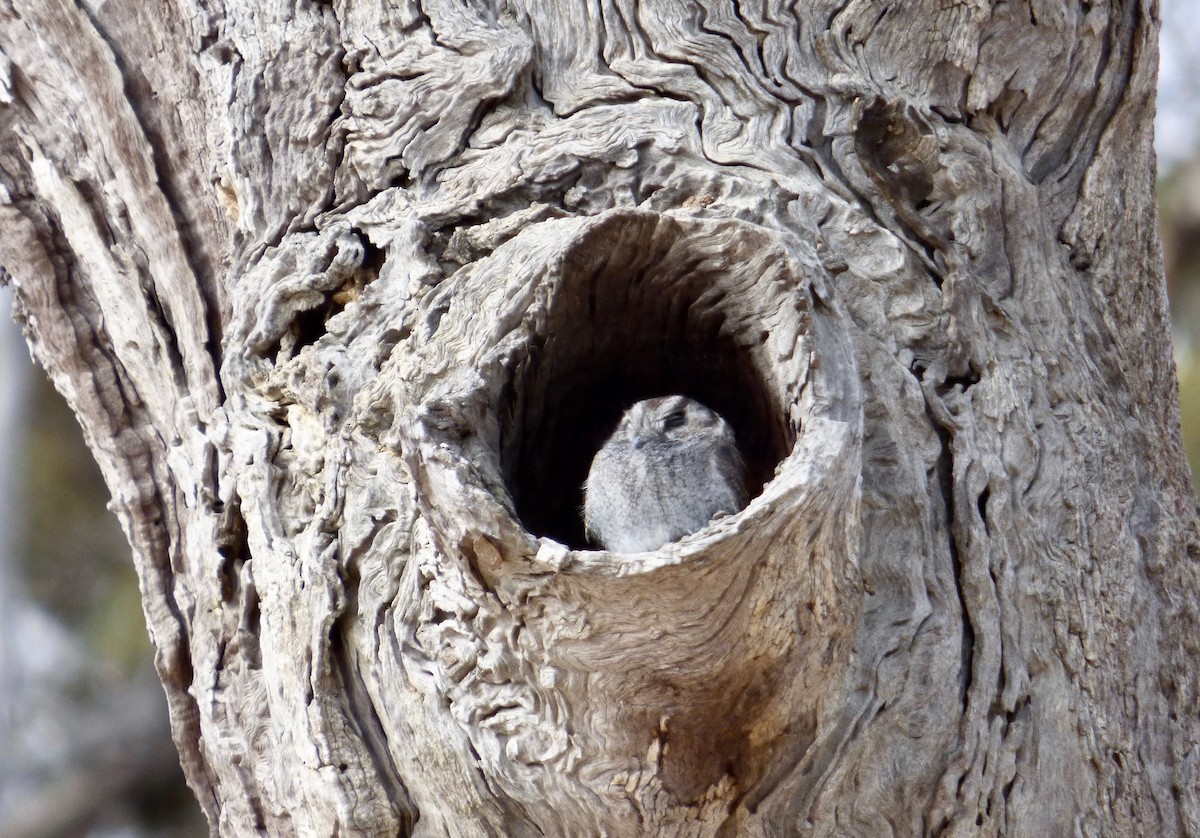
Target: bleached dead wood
[{"x": 346, "y": 295}]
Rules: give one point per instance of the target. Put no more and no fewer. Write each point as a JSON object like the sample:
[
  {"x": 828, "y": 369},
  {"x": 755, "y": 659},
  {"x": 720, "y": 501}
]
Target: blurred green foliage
[
  {"x": 1179, "y": 220},
  {"x": 76, "y": 560},
  {"x": 1188, "y": 364}
]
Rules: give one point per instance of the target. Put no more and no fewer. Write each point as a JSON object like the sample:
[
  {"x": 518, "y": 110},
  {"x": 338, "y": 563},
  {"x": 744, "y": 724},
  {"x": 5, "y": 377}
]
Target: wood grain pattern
[{"x": 346, "y": 295}]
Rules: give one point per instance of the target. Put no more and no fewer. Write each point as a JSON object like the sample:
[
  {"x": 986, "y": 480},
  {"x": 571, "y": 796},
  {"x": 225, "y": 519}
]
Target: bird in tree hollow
[{"x": 669, "y": 467}]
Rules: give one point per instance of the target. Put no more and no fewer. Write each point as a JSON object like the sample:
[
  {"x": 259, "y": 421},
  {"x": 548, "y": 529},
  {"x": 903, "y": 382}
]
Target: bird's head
[{"x": 667, "y": 419}]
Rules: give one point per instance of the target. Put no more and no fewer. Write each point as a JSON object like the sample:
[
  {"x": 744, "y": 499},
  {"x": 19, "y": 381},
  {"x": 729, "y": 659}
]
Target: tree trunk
[{"x": 347, "y": 295}]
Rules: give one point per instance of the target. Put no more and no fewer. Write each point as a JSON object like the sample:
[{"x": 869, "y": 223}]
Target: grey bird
[{"x": 668, "y": 468}]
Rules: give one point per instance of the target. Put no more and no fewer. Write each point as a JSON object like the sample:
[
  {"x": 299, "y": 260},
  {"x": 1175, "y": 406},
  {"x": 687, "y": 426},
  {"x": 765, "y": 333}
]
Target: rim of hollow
[{"x": 627, "y": 306}]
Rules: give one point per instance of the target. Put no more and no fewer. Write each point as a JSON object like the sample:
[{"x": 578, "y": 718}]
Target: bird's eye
[{"x": 676, "y": 419}]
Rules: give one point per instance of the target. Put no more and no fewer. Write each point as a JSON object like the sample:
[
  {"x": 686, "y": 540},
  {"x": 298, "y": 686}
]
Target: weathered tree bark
[{"x": 346, "y": 295}]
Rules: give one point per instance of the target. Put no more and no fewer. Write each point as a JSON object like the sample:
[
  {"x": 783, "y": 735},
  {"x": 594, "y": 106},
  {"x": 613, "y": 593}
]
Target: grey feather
[{"x": 669, "y": 467}]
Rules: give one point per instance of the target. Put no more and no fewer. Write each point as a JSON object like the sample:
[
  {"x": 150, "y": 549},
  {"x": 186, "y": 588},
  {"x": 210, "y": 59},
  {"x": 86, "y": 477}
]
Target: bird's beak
[{"x": 639, "y": 441}]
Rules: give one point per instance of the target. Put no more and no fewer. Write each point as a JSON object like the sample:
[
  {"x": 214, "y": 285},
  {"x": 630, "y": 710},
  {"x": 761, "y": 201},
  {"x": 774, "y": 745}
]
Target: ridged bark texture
[{"x": 347, "y": 294}]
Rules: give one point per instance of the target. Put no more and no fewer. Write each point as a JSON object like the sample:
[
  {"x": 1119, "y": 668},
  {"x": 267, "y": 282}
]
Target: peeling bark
[{"x": 345, "y": 297}]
